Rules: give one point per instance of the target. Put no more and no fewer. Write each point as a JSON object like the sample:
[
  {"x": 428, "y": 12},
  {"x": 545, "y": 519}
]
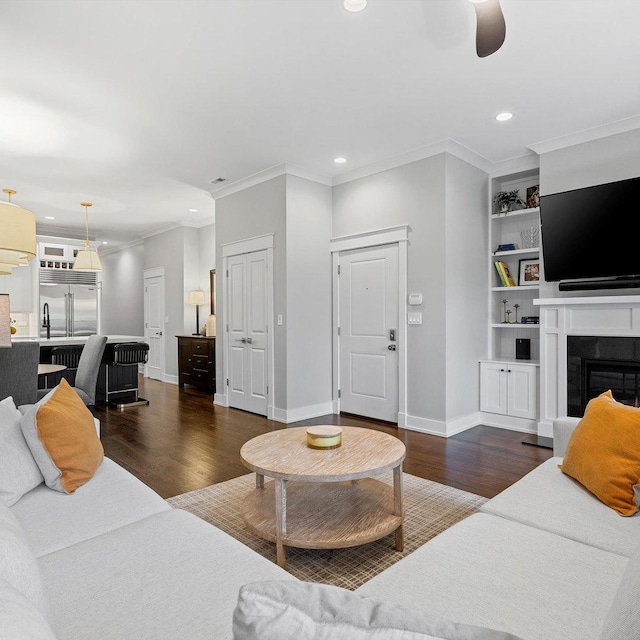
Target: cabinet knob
[
  {"x": 508, "y": 370},
  {"x": 501, "y": 369}
]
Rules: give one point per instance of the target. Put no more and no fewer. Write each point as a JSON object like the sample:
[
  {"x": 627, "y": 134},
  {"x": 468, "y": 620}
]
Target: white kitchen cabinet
[
  {"x": 19, "y": 286},
  {"x": 509, "y": 388}
]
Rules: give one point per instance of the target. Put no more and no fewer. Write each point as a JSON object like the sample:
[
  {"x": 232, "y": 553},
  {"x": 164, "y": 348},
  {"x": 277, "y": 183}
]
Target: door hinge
[
  {"x": 267, "y": 389},
  {"x": 227, "y": 273},
  {"x": 146, "y": 290},
  {"x": 338, "y": 330},
  {"x": 227, "y": 382},
  {"x": 339, "y": 393},
  {"x": 227, "y": 328},
  {"x": 338, "y": 269}
]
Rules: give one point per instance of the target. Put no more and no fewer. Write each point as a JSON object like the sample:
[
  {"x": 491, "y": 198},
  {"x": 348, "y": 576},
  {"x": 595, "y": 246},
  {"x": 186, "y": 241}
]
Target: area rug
[{"x": 430, "y": 509}]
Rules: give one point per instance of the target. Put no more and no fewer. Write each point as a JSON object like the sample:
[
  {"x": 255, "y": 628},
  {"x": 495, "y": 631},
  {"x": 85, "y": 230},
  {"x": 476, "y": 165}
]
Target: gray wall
[
  {"x": 122, "y": 306},
  {"x": 207, "y": 258},
  {"x": 309, "y": 314},
  {"x": 608, "y": 159},
  {"x": 466, "y": 283},
  {"x": 413, "y": 194},
  {"x": 256, "y": 211}
]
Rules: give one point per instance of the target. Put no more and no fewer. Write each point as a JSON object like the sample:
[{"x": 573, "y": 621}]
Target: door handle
[
  {"x": 159, "y": 333},
  {"x": 392, "y": 347},
  {"x": 242, "y": 339},
  {"x": 249, "y": 340}
]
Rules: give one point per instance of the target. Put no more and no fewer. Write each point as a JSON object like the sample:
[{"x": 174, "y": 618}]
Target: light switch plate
[
  {"x": 280, "y": 320},
  {"x": 415, "y": 317},
  {"x": 415, "y": 298}
]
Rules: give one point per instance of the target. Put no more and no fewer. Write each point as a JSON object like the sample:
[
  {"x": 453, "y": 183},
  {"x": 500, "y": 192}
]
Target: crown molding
[
  {"x": 586, "y": 135},
  {"x": 421, "y": 153},
  {"x": 526, "y": 162},
  {"x": 120, "y": 247},
  {"x": 285, "y": 168}
]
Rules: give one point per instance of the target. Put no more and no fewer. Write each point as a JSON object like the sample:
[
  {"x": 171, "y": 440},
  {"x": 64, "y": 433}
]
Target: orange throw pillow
[
  {"x": 603, "y": 453},
  {"x": 61, "y": 434}
]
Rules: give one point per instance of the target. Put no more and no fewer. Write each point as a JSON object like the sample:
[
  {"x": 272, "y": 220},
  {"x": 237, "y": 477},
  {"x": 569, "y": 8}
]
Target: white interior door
[
  {"x": 368, "y": 298},
  {"x": 154, "y": 325},
  {"x": 247, "y": 333}
]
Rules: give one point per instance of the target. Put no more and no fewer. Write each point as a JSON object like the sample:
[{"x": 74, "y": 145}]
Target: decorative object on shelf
[
  {"x": 506, "y": 201},
  {"x": 516, "y": 307},
  {"x": 533, "y": 196},
  {"x": 87, "y": 259},
  {"x": 530, "y": 320},
  {"x": 14, "y": 329},
  {"x": 197, "y": 298},
  {"x": 324, "y": 437},
  {"x": 504, "y": 310},
  {"x": 523, "y": 349},
  {"x": 530, "y": 238},
  {"x": 508, "y": 320},
  {"x": 5, "y": 321},
  {"x": 529, "y": 273},
  {"x": 17, "y": 235},
  {"x": 211, "y": 326}
]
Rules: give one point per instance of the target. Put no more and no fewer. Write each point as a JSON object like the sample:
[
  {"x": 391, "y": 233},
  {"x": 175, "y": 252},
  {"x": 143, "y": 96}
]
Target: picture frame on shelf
[
  {"x": 529, "y": 272},
  {"x": 533, "y": 196}
]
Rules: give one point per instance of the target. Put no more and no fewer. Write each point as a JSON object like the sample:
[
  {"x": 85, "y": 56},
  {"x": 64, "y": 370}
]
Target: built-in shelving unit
[{"x": 508, "y": 385}]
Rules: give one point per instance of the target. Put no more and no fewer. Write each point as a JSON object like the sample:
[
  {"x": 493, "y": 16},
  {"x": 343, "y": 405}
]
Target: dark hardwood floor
[{"x": 181, "y": 442}]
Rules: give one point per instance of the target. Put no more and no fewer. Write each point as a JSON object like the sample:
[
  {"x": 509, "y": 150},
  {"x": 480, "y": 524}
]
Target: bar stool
[{"x": 125, "y": 355}]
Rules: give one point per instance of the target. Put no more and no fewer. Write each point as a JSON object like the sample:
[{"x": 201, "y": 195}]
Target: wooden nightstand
[{"x": 197, "y": 362}]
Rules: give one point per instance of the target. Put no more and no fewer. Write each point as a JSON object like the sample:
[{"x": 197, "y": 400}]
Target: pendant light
[
  {"x": 17, "y": 233},
  {"x": 87, "y": 259}
]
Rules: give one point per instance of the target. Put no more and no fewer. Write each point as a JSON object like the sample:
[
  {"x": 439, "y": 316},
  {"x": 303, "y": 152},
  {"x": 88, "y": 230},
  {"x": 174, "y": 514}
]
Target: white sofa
[
  {"x": 117, "y": 562},
  {"x": 543, "y": 560}
]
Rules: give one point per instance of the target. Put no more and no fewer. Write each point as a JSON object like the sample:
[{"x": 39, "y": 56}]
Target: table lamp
[{"x": 196, "y": 298}]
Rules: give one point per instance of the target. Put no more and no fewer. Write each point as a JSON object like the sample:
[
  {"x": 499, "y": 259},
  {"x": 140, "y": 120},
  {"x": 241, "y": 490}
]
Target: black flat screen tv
[{"x": 592, "y": 234}]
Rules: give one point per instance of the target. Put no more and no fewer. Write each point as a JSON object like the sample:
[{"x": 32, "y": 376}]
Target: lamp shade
[
  {"x": 87, "y": 259},
  {"x": 6, "y": 269},
  {"x": 197, "y": 298},
  {"x": 5, "y": 321},
  {"x": 17, "y": 230}
]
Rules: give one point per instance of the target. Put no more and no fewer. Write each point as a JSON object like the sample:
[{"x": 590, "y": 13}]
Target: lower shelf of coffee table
[{"x": 327, "y": 515}]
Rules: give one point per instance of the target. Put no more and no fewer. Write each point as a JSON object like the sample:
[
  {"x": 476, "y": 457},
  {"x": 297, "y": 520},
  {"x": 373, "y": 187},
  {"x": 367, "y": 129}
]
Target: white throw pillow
[
  {"x": 20, "y": 619},
  {"x": 18, "y": 564},
  {"x": 19, "y": 472},
  {"x": 292, "y": 610}
]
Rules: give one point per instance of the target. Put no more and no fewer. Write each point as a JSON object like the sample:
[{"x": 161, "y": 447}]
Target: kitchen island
[{"x": 123, "y": 380}]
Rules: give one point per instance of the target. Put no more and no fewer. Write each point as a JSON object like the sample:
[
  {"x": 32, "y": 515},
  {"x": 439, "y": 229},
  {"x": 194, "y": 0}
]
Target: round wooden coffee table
[{"x": 333, "y": 500}]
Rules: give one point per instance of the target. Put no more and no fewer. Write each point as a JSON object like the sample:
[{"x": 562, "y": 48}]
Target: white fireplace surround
[{"x": 562, "y": 317}]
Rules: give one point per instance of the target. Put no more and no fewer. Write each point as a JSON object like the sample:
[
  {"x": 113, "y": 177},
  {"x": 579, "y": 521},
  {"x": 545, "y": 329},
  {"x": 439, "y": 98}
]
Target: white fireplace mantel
[{"x": 584, "y": 316}]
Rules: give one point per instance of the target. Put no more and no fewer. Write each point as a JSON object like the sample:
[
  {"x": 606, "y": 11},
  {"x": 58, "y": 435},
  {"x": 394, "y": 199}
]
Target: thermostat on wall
[{"x": 415, "y": 298}]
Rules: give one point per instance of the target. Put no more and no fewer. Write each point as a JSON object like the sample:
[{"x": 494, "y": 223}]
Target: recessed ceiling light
[
  {"x": 503, "y": 117},
  {"x": 193, "y": 211},
  {"x": 355, "y": 5},
  {"x": 49, "y": 218},
  {"x": 104, "y": 242},
  {"x": 340, "y": 160},
  {"x": 477, "y": 1},
  {"x": 216, "y": 180}
]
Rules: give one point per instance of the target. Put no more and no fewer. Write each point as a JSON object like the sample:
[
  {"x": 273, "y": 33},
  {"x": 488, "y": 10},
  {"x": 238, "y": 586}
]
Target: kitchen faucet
[{"x": 46, "y": 322}]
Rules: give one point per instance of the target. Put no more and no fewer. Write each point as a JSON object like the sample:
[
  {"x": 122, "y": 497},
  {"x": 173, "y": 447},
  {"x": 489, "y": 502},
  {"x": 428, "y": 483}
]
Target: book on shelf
[
  {"x": 508, "y": 246},
  {"x": 505, "y": 275},
  {"x": 503, "y": 282}
]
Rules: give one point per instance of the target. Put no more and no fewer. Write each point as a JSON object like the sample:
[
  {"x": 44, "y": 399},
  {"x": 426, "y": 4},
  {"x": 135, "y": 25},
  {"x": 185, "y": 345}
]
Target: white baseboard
[
  {"x": 171, "y": 379},
  {"x": 287, "y": 416},
  {"x": 438, "y": 427},
  {"x": 221, "y": 399},
  {"x": 522, "y": 425}
]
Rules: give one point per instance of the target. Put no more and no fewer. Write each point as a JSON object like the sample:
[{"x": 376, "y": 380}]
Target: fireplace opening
[{"x": 596, "y": 364}]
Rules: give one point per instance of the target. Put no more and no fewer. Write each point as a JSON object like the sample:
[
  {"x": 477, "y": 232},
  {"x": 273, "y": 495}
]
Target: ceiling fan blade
[{"x": 491, "y": 29}]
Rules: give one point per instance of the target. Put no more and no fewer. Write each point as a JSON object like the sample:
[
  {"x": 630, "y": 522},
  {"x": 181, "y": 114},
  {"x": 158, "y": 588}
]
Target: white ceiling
[{"x": 136, "y": 105}]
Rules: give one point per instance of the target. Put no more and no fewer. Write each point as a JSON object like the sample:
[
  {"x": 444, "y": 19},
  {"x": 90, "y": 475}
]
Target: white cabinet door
[
  {"x": 521, "y": 391},
  {"x": 509, "y": 389},
  {"x": 493, "y": 387}
]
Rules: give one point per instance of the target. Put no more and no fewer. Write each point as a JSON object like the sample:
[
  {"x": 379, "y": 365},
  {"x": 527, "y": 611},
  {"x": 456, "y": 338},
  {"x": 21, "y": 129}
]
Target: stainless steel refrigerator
[{"x": 72, "y": 308}]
